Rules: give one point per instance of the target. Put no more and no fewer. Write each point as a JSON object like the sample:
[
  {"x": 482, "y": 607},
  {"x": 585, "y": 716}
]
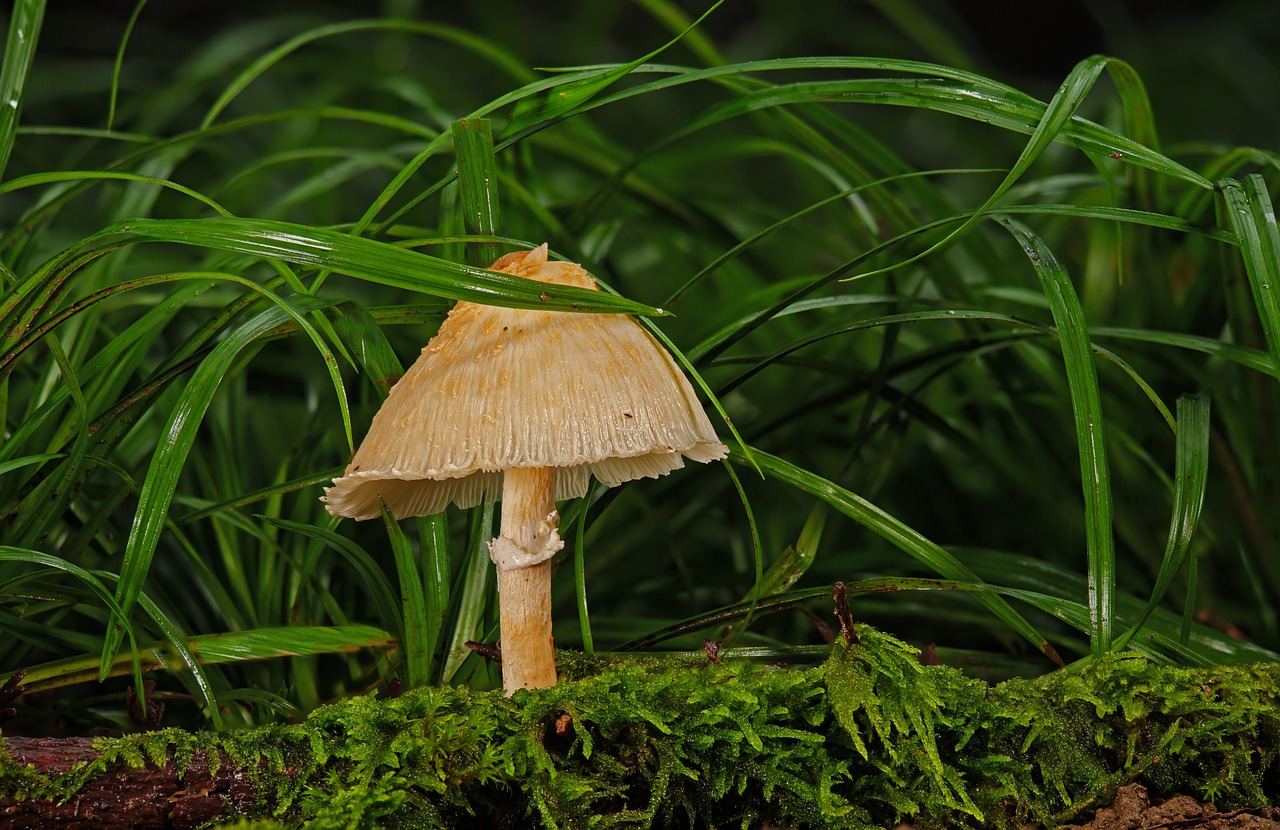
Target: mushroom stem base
[
  {"x": 524, "y": 594},
  {"x": 528, "y": 656}
]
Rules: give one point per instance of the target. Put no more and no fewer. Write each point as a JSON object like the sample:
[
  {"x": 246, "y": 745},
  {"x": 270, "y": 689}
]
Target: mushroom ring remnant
[
  {"x": 508, "y": 555},
  {"x": 525, "y": 406}
]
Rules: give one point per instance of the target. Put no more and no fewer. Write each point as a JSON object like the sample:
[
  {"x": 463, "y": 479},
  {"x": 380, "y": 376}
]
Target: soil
[{"x": 1133, "y": 810}]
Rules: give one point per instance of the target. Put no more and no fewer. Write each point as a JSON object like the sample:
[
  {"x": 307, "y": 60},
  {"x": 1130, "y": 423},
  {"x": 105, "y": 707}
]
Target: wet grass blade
[
  {"x": 214, "y": 649},
  {"x": 571, "y": 97},
  {"x": 580, "y": 573},
  {"x": 385, "y": 598},
  {"x": 174, "y": 640},
  {"x": 798, "y": 557},
  {"x": 477, "y": 45},
  {"x": 170, "y": 456},
  {"x": 37, "y": 179},
  {"x": 474, "y": 587},
  {"x": 1086, "y": 405},
  {"x": 49, "y": 499},
  {"x": 9, "y": 553},
  {"x": 940, "y": 88},
  {"x": 374, "y": 261},
  {"x": 416, "y": 646},
  {"x": 1143, "y": 218},
  {"x": 477, "y": 185},
  {"x": 358, "y": 328},
  {"x": 1253, "y": 218},
  {"x": 896, "y": 533},
  {"x": 19, "y": 52},
  {"x": 433, "y": 539},
  {"x": 268, "y": 643},
  {"x": 1191, "y": 475},
  {"x": 1140, "y": 123},
  {"x": 1258, "y": 361}
]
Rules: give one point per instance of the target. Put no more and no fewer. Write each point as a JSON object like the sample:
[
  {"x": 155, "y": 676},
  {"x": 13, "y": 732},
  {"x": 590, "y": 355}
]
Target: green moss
[
  {"x": 1209, "y": 733},
  {"x": 867, "y": 739}
]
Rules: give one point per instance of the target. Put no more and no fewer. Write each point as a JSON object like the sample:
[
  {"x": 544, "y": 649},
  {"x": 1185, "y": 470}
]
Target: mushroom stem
[{"x": 524, "y": 593}]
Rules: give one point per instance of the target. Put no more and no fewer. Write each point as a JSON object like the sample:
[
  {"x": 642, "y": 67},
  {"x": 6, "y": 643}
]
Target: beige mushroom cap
[{"x": 588, "y": 394}]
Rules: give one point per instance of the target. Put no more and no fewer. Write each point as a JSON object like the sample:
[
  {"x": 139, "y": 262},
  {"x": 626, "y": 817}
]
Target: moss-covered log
[
  {"x": 121, "y": 795},
  {"x": 867, "y": 739}
]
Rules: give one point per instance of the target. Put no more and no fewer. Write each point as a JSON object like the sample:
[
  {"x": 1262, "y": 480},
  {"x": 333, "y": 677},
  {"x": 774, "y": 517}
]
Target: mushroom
[{"x": 525, "y": 406}]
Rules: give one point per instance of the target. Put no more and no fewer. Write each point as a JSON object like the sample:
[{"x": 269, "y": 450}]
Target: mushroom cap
[{"x": 588, "y": 394}]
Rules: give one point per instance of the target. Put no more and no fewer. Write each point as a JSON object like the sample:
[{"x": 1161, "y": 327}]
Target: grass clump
[
  {"x": 867, "y": 739},
  {"x": 996, "y": 354}
]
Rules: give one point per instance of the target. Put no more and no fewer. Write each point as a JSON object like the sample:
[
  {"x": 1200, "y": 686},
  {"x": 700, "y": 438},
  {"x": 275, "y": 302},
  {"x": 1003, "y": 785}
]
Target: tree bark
[{"x": 124, "y": 796}]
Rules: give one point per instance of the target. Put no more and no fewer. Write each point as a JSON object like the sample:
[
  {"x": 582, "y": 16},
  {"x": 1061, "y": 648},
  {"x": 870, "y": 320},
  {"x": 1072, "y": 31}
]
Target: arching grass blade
[{"x": 1086, "y": 405}]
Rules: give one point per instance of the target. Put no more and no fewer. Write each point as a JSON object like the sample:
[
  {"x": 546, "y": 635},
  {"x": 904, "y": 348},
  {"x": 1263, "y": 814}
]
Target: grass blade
[
  {"x": 175, "y": 641},
  {"x": 480, "y": 46},
  {"x": 36, "y": 179},
  {"x": 1255, "y": 359},
  {"x": 580, "y": 573},
  {"x": 9, "y": 553},
  {"x": 213, "y": 649},
  {"x": 1245, "y": 357},
  {"x": 374, "y": 261},
  {"x": 115, "y": 71},
  {"x": 571, "y": 97},
  {"x": 1086, "y": 405},
  {"x": 1253, "y": 218},
  {"x": 167, "y": 463},
  {"x": 19, "y": 52},
  {"x": 27, "y": 460},
  {"x": 1191, "y": 473},
  {"x": 384, "y": 597},
  {"x": 757, "y": 550},
  {"x": 797, "y": 558},
  {"x": 261, "y": 494},
  {"x": 473, "y": 592},
  {"x": 433, "y": 537},
  {"x": 48, "y": 501},
  {"x": 895, "y": 532},
  {"x": 477, "y": 185},
  {"x": 358, "y": 329},
  {"x": 416, "y": 646}
]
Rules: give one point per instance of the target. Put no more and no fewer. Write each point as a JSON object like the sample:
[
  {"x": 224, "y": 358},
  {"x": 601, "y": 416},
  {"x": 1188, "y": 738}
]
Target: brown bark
[{"x": 124, "y": 796}]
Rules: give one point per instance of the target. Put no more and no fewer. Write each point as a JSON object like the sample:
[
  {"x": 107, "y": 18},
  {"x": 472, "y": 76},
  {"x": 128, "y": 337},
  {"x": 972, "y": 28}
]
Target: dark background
[{"x": 1212, "y": 53}]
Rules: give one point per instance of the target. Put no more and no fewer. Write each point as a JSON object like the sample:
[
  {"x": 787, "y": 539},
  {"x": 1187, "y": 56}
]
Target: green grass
[{"x": 1004, "y": 364}]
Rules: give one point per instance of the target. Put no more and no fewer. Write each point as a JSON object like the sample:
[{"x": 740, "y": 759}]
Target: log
[{"x": 124, "y": 796}]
